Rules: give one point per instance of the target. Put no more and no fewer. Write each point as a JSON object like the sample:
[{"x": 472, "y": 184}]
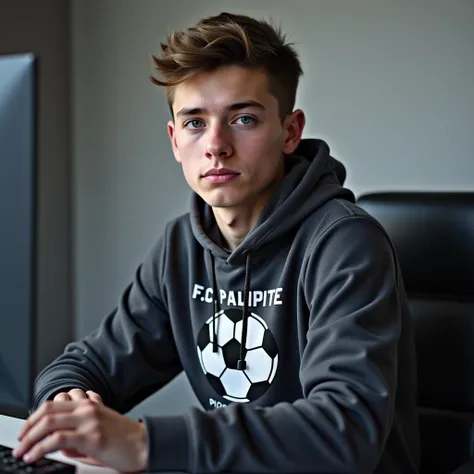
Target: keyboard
[{"x": 9, "y": 464}]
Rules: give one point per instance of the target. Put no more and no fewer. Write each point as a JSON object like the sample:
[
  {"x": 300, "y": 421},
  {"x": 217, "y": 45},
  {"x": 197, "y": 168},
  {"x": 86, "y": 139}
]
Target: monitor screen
[{"x": 17, "y": 231}]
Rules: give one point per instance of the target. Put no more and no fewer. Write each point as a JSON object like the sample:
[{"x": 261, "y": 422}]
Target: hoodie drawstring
[
  {"x": 214, "y": 293},
  {"x": 241, "y": 363}
]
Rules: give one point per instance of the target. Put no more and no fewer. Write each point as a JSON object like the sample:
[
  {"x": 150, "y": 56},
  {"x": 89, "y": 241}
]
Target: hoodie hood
[{"x": 312, "y": 178}]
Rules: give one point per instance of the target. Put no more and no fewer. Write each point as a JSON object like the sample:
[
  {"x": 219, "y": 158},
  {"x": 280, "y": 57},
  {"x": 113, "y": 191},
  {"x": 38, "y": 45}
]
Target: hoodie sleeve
[
  {"x": 348, "y": 375},
  {"x": 107, "y": 361}
]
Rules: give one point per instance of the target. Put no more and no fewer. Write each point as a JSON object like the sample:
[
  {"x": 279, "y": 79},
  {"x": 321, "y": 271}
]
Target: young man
[{"x": 280, "y": 299}]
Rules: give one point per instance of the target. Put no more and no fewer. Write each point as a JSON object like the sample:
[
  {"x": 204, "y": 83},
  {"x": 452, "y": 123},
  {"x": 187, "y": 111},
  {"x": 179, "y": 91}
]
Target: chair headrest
[{"x": 433, "y": 234}]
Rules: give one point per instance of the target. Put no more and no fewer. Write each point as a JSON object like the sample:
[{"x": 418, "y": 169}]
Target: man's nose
[{"x": 218, "y": 142}]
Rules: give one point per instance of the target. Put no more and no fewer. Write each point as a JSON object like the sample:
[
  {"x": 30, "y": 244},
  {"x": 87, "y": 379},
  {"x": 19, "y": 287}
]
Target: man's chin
[
  {"x": 223, "y": 202},
  {"x": 222, "y": 205}
]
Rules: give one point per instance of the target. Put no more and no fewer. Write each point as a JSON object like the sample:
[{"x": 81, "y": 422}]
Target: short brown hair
[{"x": 229, "y": 39}]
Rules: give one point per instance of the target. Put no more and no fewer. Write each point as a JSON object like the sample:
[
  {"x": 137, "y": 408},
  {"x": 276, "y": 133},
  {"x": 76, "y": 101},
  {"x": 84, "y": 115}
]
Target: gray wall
[
  {"x": 389, "y": 84},
  {"x": 43, "y": 28}
]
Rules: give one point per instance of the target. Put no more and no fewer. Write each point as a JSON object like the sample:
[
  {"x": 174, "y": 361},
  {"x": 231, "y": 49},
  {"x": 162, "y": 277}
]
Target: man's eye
[
  {"x": 246, "y": 120},
  {"x": 194, "y": 124}
]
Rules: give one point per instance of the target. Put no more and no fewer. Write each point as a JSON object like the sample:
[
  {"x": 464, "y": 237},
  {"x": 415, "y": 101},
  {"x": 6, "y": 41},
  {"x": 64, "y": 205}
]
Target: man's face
[{"x": 228, "y": 136}]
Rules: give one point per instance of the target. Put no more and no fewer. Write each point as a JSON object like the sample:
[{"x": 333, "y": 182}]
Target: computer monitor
[{"x": 17, "y": 231}]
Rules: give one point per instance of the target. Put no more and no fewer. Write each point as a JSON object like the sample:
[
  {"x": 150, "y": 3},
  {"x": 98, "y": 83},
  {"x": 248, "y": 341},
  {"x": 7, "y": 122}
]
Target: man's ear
[
  {"x": 172, "y": 135},
  {"x": 294, "y": 125}
]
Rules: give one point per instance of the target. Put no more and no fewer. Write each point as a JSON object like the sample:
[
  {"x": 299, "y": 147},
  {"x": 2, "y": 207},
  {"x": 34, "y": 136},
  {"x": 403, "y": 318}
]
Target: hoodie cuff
[{"x": 167, "y": 443}]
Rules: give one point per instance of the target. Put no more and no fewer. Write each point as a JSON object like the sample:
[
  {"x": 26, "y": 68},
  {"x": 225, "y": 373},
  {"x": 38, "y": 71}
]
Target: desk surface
[{"x": 9, "y": 429}]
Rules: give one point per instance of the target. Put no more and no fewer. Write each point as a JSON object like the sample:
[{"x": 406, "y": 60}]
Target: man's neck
[{"x": 235, "y": 224}]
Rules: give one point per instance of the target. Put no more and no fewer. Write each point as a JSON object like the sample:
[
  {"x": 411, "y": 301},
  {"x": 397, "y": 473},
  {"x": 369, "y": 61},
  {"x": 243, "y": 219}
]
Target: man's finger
[
  {"x": 57, "y": 441},
  {"x": 62, "y": 397},
  {"x": 72, "y": 453},
  {"x": 77, "y": 394},
  {"x": 95, "y": 397},
  {"x": 47, "y": 407},
  {"x": 78, "y": 456},
  {"x": 48, "y": 425}
]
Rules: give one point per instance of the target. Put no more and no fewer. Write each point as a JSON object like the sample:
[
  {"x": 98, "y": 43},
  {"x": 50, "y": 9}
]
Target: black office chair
[{"x": 433, "y": 234}]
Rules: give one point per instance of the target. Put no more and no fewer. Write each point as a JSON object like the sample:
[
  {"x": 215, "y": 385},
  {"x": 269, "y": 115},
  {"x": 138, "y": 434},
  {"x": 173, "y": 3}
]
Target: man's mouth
[
  {"x": 220, "y": 172},
  {"x": 220, "y": 175}
]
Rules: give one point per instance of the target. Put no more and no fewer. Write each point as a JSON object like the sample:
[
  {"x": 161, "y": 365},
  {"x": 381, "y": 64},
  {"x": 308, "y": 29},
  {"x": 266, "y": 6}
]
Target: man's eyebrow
[
  {"x": 245, "y": 104},
  {"x": 187, "y": 111}
]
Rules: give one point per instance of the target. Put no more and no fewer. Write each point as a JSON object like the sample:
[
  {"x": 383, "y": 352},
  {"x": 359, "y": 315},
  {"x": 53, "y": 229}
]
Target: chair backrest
[{"x": 433, "y": 234}]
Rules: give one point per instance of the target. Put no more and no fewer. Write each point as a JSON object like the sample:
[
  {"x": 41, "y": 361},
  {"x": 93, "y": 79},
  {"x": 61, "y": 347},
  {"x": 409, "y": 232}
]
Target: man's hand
[
  {"x": 89, "y": 430},
  {"x": 77, "y": 394}
]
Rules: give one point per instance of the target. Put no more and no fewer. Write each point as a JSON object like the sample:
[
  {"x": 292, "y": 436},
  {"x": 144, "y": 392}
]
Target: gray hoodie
[{"x": 298, "y": 343}]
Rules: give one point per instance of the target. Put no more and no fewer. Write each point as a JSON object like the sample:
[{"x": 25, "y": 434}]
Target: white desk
[{"x": 9, "y": 430}]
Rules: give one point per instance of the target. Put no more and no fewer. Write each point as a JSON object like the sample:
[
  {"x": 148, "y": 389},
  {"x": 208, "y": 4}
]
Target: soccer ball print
[{"x": 220, "y": 368}]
